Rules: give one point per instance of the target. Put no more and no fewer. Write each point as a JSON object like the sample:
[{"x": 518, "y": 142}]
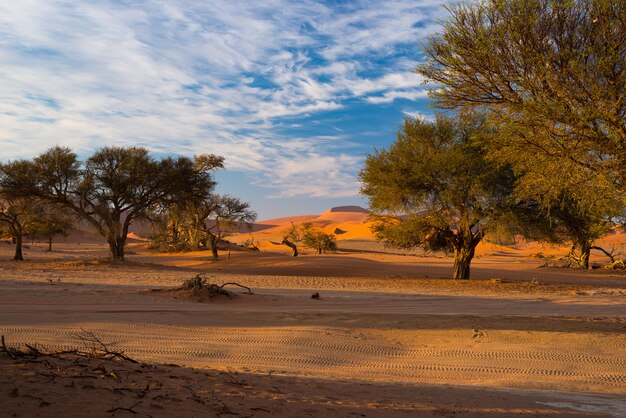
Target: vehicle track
[{"x": 524, "y": 359}]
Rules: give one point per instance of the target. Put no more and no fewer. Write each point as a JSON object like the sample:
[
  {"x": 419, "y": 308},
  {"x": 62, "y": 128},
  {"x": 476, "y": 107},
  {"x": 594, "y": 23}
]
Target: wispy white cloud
[
  {"x": 205, "y": 76},
  {"x": 416, "y": 114},
  {"x": 390, "y": 96}
]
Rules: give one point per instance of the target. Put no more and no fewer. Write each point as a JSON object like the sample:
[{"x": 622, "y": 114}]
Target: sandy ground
[{"x": 390, "y": 336}]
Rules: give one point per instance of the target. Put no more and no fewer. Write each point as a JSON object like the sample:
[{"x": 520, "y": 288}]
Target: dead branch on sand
[
  {"x": 129, "y": 409},
  {"x": 97, "y": 349},
  {"x": 566, "y": 261},
  {"x": 199, "y": 286},
  {"x": 94, "y": 362},
  {"x": 94, "y": 348},
  {"x": 572, "y": 260}
]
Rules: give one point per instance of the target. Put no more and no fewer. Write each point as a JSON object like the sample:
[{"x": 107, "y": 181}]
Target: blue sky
[{"x": 292, "y": 93}]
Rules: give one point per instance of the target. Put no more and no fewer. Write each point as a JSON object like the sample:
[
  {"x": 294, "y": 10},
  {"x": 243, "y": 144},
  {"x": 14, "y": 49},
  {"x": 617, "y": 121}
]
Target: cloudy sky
[{"x": 292, "y": 93}]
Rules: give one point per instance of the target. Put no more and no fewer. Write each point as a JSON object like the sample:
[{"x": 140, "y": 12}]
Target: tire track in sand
[{"x": 528, "y": 359}]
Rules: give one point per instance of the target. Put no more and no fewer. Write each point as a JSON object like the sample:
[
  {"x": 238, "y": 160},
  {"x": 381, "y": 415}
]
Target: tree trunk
[
  {"x": 464, "y": 246},
  {"x": 291, "y": 245},
  {"x": 18, "y": 248},
  {"x": 116, "y": 247},
  {"x": 50, "y": 244},
  {"x": 585, "y": 252},
  {"x": 319, "y": 250},
  {"x": 212, "y": 241},
  {"x": 462, "y": 259}
]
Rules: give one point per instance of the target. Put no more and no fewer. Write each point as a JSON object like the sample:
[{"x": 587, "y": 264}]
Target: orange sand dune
[
  {"x": 347, "y": 222},
  {"x": 350, "y": 223}
]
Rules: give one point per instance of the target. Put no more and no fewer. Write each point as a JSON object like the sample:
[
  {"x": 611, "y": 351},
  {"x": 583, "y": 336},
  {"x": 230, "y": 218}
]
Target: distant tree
[
  {"x": 318, "y": 239},
  {"x": 112, "y": 188},
  {"x": 17, "y": 216},
  {"x": 291, "y": 237},
  {"x": 550, "y": 73},
  {"x": 193, "y": 225},
  {"x": 435, "y": 188},
  {"x": 172, "y": 230},
  {"x": 251, "y": 244},
  {"x": 50, "y": 222},
  {"x": 218, "y": 215}
]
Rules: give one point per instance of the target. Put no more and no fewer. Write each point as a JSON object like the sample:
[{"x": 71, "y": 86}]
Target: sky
[{"x": 293, "y": 94}]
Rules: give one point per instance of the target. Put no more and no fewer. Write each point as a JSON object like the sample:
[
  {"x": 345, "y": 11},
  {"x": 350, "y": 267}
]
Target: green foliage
[
  {"x": 50, "y": 222},
  {"x": 433, "y": 233},
  {"x": 291, "y": 237},
  {"x": 293, "y": 233},
  {"x": 578, "y": 224},
  {"x": 112, "y": 188},
  {"x": 435, "y": 188},
  {"x": 552, "y": 77},
  {"x": 581, "y": 225},
  {"x": 436, "y": 176},
  {"x": 310, "y": 237},
  {"x": 200, "y": 224},
  {"x": 317, "y": 239},
  {"x": 17, "y": 217}
]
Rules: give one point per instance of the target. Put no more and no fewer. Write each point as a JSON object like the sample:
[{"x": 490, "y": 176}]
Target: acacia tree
[
  {"x": 581, "y": 225},
  {"x": 190, "y": 225},
  {"x": 171, "y": 230},
  {"x": 318, "y": 239},
  {"x": 552, "y": 74},
  {"x": 17, "y": 216},
  {"x": 112, "y": 188},
  {"x": 578, "y": 206},
  {"x": 50, "y": 222},
  {"x": 291, "y": 237},
  {"x": 435, "y": 188},
  {"x": 217, "y": 215}
]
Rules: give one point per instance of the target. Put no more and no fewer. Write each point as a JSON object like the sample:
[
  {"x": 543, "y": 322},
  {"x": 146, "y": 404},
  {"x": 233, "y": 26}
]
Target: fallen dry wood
[
  {"x": 129, "y": 409},
  {"x": 93, "y": 348},
  {"x": 199, "y": 286}
]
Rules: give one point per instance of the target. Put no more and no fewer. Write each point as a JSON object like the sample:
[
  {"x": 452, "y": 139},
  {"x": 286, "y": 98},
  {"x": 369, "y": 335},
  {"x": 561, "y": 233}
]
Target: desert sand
[{"x": 390, "y": 335}]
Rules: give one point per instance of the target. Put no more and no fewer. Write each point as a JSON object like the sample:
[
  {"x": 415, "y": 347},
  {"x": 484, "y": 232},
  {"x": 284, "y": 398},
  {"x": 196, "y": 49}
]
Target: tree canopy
[
  {"x": 198, "y": 224},
  {"x": 17, "y": 217},
  {"x": 50, "y": 222},
  {"x": 317, "y": 239},
  {"x": 291, "y": 237},
  {"x": 435, "y": 188},
  {"x": 551, "y": 74},
  {"x": 112, "y": 188}
]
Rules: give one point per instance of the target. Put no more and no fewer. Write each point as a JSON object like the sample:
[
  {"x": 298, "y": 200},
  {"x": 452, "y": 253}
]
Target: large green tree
[
  {"x": 435, "y": 188},
  {"x": 112, "y": 188},
  {"x": 551, "y": 73}
]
